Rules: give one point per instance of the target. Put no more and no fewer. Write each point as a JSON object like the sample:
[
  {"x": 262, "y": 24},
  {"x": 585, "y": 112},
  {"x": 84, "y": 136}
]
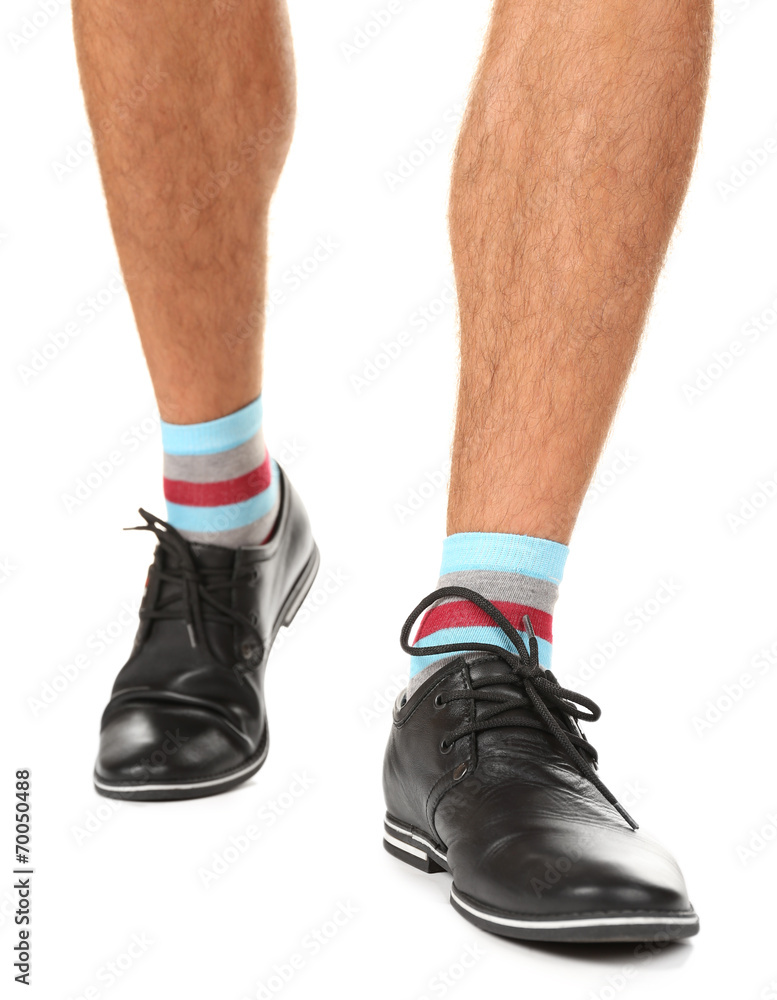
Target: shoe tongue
[
  {"x": 209, "y": 557},
  {"x": 172, "y": 593},
  {"x": 523, "y": 739},
  {"x": 213, "y": 556},
  {"x": 483, "y": 668}
]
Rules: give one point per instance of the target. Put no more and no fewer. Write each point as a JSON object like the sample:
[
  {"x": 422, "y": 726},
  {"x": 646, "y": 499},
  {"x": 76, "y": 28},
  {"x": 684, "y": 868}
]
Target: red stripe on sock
[
  {"x": 218, "y": 494},
  {"x": 462, "y": 614}
]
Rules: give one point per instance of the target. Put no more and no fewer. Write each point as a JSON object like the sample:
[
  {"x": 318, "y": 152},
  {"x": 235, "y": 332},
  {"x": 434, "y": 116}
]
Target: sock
[
  {"x": 517, "y": 573},
  {"x": 221, "y": 485}
]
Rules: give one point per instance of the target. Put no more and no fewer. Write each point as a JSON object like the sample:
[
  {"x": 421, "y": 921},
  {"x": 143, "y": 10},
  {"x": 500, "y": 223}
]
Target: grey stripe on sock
[
  {"x": 234, "y": 538},
  {"x": 217, "y": 467},
  {"x": 513, "y": 587}
]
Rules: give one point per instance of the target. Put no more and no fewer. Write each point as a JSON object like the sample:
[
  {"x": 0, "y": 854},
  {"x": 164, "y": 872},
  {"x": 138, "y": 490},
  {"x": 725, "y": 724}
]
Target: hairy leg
[
  {"x": 571, "y": 167},
  {"x": 192, "y": 109}
]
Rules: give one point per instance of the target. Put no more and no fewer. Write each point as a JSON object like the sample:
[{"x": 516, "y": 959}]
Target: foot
[
  {"x": 488, "y": 777},
  {"x": 186, "y": 716}
]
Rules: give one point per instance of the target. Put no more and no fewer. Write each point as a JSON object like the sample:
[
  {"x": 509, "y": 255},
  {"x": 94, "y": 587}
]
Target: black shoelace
[
  {"x": 525, "y": 675},
  {"x": 193, "y": 596}
]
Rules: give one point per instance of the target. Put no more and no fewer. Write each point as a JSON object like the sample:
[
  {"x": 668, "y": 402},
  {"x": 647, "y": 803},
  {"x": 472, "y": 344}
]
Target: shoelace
[
  {"x": 524, "y": 672},
  {"x": 193, "y": 599}
]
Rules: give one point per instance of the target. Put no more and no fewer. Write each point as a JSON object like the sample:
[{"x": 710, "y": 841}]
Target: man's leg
[
  {"x": 188, "y": 169},
  {"x": 572, "y": 163},
  {"x": 192, "y": 108},
  {"x": 570, "y": 171}
]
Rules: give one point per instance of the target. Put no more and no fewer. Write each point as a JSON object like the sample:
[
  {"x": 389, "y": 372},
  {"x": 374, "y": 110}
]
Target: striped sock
[
  {"x": 517, "y": 573},
  {"x": 221, "y": 485}
]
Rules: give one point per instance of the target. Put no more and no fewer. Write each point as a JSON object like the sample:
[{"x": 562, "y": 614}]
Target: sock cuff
[
  {"x": 213, "y": 436},
  {"x": 480, "y": 550}
]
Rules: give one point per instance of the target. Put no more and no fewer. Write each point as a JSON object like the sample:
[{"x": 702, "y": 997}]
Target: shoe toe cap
[
  {"x": 143, "y": 745},
  {"x": 573, "y": 871}
]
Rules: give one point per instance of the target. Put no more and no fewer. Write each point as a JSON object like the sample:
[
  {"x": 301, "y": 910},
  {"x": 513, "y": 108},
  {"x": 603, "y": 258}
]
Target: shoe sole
[
  {"x": 415, "y": 849},
  {"x": 160, "y": 791}
]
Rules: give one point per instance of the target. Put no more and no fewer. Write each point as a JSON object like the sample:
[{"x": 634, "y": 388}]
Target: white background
[{"x": 707, "y": 790}]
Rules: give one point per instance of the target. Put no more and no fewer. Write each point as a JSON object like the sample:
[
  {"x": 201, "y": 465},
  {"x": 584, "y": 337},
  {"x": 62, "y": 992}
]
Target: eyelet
[
  {"x": 254, "y": 618},
  {"x": 460, "y": 771},
  {"x": 438, "y": 702},
  {"x": 445, "y": 747},
  {"x": 249, "y": 650}
]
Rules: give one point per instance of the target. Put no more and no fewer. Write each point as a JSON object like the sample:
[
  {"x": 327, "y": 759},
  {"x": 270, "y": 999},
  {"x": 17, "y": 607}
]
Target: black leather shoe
[
  {"x": 488, "y": 776},
  {"x": 186, "y": 716}
]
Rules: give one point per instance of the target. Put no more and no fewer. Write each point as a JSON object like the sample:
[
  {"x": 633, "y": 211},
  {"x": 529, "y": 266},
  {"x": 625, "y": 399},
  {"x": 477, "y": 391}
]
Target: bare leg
[
  {"x": 188, "y": 169},
  {"x": 571, "y": 167}
]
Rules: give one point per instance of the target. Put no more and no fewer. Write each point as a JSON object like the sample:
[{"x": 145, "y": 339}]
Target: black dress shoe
[
  {"x": 186, "y": 716},
  {"x": 488, "y": 776}
]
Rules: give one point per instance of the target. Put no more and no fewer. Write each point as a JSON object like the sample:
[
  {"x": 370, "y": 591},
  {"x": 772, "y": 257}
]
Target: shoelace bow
[
  {"x": 524, "y": 672},
  {"x": 195, "y": 601}
]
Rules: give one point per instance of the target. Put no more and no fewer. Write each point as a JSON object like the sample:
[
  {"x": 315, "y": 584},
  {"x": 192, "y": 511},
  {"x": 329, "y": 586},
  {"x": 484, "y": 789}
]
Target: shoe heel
[
  {"x": 303, "y": 585},
  {"x": 410, "y": 854}
]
